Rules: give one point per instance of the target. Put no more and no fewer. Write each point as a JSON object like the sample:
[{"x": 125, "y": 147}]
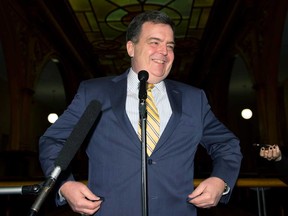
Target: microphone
[
  {"x": 78, "y": 135},
  {"x": 142, "y": 77},
  {"x": 69, "y": 150}
]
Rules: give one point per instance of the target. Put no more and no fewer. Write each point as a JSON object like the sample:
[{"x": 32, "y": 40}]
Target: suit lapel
[
  {"x": 118, "y": 94},
  {"x": 175, "y": 99}
]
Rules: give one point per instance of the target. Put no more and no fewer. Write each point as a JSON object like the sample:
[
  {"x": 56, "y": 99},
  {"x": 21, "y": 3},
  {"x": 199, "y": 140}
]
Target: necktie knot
[{"x": 150, "y": 86}]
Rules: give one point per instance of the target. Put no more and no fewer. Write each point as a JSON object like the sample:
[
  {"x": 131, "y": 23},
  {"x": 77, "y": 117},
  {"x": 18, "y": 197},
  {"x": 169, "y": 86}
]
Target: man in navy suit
[{"x": 114, "y": 149}]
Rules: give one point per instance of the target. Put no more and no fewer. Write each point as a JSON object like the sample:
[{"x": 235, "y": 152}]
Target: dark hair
[{"x": 157, "y": 17}]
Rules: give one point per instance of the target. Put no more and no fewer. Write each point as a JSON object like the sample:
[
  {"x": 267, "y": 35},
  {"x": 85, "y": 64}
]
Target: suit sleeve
[
  {"x": 54, "y": 138},
  {"x": 223, "y": 147}
]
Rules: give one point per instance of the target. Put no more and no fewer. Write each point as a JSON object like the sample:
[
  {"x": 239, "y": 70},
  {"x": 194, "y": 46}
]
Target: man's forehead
[{"x": 152, "y": 30}]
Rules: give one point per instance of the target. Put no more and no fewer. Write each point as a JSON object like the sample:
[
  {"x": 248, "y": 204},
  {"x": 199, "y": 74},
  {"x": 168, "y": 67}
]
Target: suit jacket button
[{"x": 151, "y": 162}]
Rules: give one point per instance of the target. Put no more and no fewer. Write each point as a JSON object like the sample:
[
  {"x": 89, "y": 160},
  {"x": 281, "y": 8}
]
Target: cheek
[
  {"x": 171, "y": 56},
  {"x": 141, "y": 54},
  {"x": 171, "y": 59}
]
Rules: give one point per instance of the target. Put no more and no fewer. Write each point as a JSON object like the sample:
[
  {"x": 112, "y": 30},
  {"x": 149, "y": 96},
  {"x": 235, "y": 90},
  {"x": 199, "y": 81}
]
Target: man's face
[{"x": 154, "y": 51}]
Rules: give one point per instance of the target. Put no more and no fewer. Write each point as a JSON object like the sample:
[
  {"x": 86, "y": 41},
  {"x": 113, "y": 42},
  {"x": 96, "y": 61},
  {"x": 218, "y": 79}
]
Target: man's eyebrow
[{"x": 154, "y": 38}]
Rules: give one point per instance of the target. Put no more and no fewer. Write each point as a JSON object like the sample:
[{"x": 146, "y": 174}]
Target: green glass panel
[
  {"x": 82, "y": 5},
  {"x": 114, "y": 16},
  {"x": 83, "y": 22},
  {"x": 204, "y": 18},
  {"x": 118, "y": 26},
  {"x": 203, "y": 3},
  {"x": 160, "y": 2},
  {"x": 181, "y": 29},
  {"x": 124, "y": 2},
  {"x": 183, "y": 8},
  {"x": 102, "y": 9},
  {"x": 109, "y": 33},
  {"x": 93, "y": 23},
  {"x": 194, "y": 18}
]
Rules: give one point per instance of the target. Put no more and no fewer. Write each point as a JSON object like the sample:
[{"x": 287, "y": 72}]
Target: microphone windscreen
[
  {"x": 143, "y": 76},
  {"x": 78, "y": 135}
]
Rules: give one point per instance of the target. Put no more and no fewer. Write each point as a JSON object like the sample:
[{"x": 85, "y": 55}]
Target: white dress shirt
[{"x": 132, "y": 101}]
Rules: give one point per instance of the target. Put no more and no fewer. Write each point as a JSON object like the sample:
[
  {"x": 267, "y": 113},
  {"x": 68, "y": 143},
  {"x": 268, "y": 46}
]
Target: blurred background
[{"x": 237, "y": 51}]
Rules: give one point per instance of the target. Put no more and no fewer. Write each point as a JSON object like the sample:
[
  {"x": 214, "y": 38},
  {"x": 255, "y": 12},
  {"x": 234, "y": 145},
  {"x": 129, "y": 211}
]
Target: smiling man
[
  {"x": 184, "y": 119},
  {"x": 153, "y": 51}
]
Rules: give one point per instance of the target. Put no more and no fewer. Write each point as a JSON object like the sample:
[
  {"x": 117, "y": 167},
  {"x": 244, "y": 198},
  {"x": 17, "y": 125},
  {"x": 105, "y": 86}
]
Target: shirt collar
[{"x": 133, "y": 83}]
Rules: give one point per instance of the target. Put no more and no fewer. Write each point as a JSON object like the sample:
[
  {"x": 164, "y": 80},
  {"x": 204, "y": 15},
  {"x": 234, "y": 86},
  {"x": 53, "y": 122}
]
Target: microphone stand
[
  {"x": 67, "y": 153},
  {"x": 47, "y": 187},
  {"x": 143, "y": 77},
  {"x": 42, "y": 190},
  {"x": 143, "y": 122},
  {"x": 22, "y": 190}
]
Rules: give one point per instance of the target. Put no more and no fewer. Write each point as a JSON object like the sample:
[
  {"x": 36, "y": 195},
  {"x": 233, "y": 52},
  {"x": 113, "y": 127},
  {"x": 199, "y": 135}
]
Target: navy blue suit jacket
[{"x": 114, "y": 150}]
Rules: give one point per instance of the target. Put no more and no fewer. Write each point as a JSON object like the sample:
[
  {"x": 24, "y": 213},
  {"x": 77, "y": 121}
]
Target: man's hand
[
  {"x": 208, "y": 193},
  {"x": 80, "y": 198}
]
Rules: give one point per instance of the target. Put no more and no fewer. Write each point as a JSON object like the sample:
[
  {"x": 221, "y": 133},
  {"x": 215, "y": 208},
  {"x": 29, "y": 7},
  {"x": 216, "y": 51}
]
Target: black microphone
[
  {"x": 78, "y": 135},
  {"x": 69, "y": 150},
  {"x": 142, "y": 77}
]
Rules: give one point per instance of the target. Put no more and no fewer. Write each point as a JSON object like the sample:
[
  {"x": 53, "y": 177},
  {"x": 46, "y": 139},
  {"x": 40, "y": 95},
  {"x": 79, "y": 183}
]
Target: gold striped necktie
[{"x": 153, "y": 121}]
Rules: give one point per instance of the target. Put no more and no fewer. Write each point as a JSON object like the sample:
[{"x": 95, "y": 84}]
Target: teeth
[{"x": 159, "y": 61}]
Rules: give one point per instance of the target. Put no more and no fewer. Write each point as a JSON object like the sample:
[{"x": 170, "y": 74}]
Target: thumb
[
  {"x": 197, "y": 192},
  {"x": 88, "y": 193}
]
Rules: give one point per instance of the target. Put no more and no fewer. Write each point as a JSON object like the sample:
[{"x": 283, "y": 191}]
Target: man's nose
[{"x": 163, "y": 49}]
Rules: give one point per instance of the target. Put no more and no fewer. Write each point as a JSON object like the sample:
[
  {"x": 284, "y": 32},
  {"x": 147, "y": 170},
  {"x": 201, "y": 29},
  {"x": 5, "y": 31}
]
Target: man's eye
[{"x": 171, "y": 47}]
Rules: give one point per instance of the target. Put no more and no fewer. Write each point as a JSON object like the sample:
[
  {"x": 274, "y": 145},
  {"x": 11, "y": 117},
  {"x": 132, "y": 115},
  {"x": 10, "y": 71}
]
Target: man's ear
[{"x": 130, "y": 48}]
